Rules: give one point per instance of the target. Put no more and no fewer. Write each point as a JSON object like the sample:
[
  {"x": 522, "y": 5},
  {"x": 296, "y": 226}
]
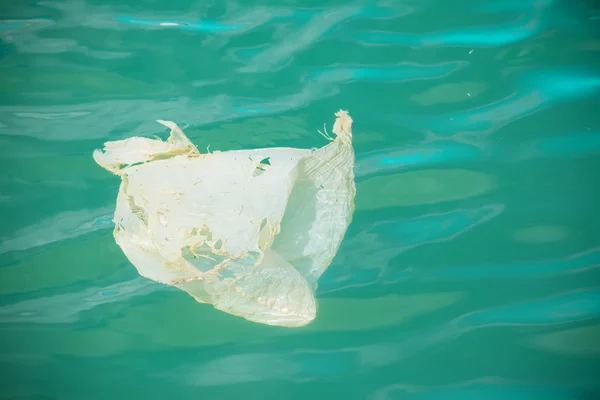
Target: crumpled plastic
[{"x": 248, "y": 231}]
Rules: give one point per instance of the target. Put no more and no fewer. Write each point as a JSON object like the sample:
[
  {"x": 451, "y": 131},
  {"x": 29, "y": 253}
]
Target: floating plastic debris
[{"x": 248, "y": 231}]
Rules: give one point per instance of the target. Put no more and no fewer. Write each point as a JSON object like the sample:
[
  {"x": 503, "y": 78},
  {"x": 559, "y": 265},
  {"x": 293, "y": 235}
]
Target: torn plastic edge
[
  {"x": 274, "y": 229},
  {"x": 343, "y": 126},
  {"x": 177, "y": 144}
]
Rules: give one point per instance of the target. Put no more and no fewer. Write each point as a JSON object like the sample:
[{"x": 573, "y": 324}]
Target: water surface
[{"x": 470, "y": 270}]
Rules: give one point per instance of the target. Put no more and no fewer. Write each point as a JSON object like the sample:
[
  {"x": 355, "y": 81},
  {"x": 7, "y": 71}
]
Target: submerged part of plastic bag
[{"x": 248, "y": 231}]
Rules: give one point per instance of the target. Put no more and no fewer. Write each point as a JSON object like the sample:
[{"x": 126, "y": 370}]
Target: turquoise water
[{"x": 470, "y": 270}]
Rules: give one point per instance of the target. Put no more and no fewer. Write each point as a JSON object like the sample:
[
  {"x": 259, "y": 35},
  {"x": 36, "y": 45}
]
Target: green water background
[{"x": 470, "y": 270}]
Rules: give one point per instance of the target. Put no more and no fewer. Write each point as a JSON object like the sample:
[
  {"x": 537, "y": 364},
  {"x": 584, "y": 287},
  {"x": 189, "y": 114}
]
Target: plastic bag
[{"x": 248, "y": 231}]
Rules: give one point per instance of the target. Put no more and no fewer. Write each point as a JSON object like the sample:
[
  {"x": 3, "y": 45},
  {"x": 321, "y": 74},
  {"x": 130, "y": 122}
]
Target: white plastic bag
[{"x": 248, "y": 231}]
